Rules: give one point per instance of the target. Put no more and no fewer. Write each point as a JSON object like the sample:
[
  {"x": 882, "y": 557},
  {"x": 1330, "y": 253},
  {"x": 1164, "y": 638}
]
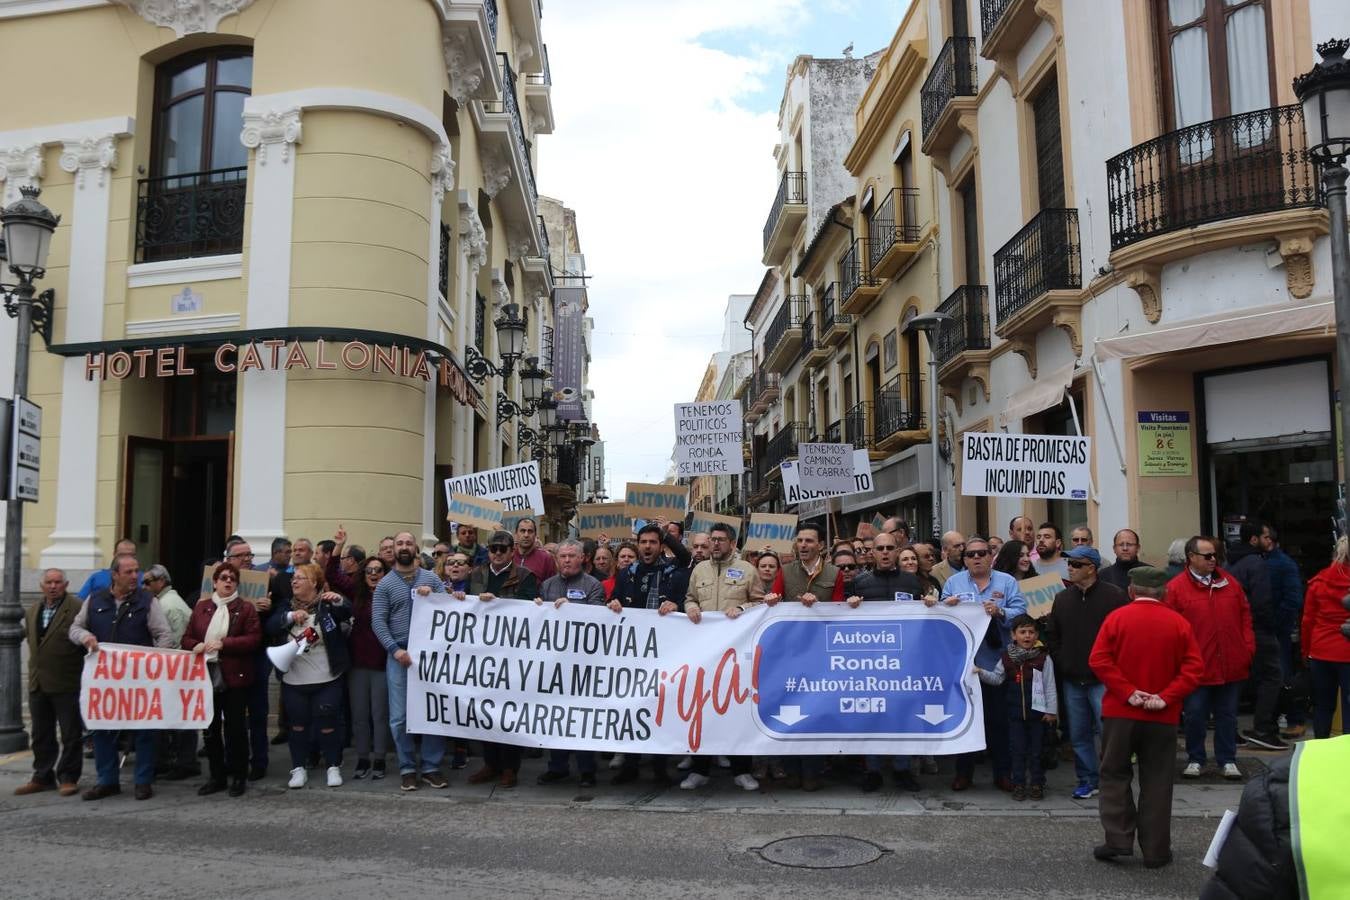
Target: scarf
[
  {"x": 1019, "y": 656},
  {"x": 220, "y": 622}
]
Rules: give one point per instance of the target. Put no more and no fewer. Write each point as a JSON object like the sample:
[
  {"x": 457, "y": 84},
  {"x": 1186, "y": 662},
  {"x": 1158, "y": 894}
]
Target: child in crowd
[{"x": 1032, "y": 702}]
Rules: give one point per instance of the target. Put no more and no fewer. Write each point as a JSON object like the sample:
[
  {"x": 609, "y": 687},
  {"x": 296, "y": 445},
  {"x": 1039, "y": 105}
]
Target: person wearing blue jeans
[
  {"x": 1083, "y": 705},
  {"x": 390, "y": 614},
  {"x": 122, "y": 614},
  {"x": 1222, "y": 701}
]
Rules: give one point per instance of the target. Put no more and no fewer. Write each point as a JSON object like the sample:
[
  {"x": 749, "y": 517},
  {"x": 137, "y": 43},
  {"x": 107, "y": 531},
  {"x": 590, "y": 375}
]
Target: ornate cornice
[
  {"x": 501, "y": 294},
  {"x": 442, "y": 172},
  {"x": 99, "y": 153},
  {"x": 275, "y": 126},
  {"x": 20, "y": 167},
  {"x": 462, "y": 65},
  {"x": 186, "y": 16},
  {"x": 473, "y": 237},
  {"x": 496, "y": 171}
]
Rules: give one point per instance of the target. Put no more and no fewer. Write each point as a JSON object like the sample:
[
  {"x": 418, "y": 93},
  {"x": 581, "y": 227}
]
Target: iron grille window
[
  {"x": 445, "y": 261},
  {"x": 1049, "y": 152},
  {"x": 480, "y": 322}
]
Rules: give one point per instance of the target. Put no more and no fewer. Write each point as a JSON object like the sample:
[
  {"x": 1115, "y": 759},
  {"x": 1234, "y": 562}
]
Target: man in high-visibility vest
[{"x": 1289, "y": 837}]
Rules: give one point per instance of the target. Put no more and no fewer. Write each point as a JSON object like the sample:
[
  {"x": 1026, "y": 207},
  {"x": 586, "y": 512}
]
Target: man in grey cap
[
  {"x": 1147, "y": 657},
  {"x": 1071, "y": 629}
]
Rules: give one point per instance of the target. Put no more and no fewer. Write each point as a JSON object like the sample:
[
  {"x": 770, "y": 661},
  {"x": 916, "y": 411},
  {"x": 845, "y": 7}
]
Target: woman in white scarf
[{"x": 225, "y": 627}]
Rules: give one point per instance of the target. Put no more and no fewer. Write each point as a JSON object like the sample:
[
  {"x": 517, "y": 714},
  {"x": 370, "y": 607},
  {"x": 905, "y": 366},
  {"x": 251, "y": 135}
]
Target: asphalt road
[{"x": 334, "y": 844}]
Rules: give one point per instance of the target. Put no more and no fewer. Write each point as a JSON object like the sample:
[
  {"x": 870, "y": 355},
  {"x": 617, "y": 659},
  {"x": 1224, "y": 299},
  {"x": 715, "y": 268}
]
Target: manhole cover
[{"x": 821, "y": 851}]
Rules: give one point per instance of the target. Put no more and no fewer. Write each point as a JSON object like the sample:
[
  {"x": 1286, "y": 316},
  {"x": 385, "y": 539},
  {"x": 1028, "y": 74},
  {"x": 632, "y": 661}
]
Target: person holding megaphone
[
  {"x": 225, "y": 627},
  {"x": 312, "y": 662}
]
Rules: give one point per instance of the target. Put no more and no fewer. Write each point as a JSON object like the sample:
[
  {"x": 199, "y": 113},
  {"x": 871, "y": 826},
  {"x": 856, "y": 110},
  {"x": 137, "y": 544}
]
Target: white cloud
[{"x": 671, "y": 177}]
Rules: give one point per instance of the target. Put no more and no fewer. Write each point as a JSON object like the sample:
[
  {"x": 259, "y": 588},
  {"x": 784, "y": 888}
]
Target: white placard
[
  {"x": 131, "y": 687},
  {"x": 794, "y": 493},
  {"x": 825, "y": 467},
  {"x": 515, "y": 487},
  {"x": 708, "y": 438},
  {"x": 1056, "y": 467}
]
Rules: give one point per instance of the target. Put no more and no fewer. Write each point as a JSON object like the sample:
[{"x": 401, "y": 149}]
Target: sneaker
[
  {"x": 1232, "y": 772},
  {"x": 616, "y": 762},
  {"x": 378, "y": 771},
  {"x": 435, "y": 780},
  {"x": 409, "y": 782},
  {"x": 723, "y": 762},
  {"x": 1036, "y": 792},
  {"x": 334, "y": 776},
  {"x": 299, "y": 778},
  {"x": 1265, "y": 741},
  {"x": 459, "y": 761},
  {"x": 693, "y": 781},
  {"x": 746, "y": 782},
  {"x": 362, "y": 769},
  {"x": 684, "y": 764},
  {"x": 1087, "y": 791},
  {"x": 1192, "y": 770},
  {"x": 1019, "y": 792}
]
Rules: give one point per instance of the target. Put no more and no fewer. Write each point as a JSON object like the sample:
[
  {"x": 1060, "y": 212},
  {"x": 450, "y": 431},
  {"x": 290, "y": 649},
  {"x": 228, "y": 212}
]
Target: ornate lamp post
[{"x": 931, "y": 325}]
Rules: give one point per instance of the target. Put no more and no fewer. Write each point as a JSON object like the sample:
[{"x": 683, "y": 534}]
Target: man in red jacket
[
  {"x": 1212, "y": 601},
  {"x": 1147, "y": 657}
]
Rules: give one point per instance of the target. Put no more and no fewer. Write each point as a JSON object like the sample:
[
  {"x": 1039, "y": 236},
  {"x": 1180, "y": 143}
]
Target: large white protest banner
[
  {"x": 794, "y": 494},
  {"x": 1025, "y": 465},
  {"x": 887, "y": 678},
  {"x": 130, "y": 687},
  {"x": 515, "y": 487},
  {"x": 708, "y": 439}
]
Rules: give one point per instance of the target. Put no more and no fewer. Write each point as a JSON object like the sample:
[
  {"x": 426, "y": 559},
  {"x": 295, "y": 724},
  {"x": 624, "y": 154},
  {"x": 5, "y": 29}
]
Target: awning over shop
[
  {"x": 1042, "y": 394},
  {"x": 1227, "y": 328}
]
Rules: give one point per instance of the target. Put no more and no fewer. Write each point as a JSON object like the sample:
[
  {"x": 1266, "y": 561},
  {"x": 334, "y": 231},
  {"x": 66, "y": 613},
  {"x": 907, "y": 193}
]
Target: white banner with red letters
[
  {"x": 886, "y": 678},
  {"x": 129, "y": 687}
]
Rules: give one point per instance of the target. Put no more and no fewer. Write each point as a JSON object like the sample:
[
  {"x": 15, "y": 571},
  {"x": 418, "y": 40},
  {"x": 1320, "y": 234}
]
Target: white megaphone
[{"x": 283, "y": 655}]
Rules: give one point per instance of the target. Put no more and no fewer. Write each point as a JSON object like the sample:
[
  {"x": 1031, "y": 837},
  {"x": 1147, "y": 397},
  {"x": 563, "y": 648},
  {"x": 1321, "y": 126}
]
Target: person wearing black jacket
[
  {"x": 1126, "y": 547},
  {"x": 1247, "y": 563},
  {"x": 312, "y": 688},
  {"x": 1256, "y": 861}
]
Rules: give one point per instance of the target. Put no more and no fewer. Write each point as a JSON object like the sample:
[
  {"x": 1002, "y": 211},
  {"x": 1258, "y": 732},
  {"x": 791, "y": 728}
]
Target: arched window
[
  {"x": 193, "y": 203},
  {"x": 199, "y": 111}
]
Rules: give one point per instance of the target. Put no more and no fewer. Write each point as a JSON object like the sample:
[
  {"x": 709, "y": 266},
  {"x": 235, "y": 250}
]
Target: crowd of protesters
[{"x": 1113, "y": 683}]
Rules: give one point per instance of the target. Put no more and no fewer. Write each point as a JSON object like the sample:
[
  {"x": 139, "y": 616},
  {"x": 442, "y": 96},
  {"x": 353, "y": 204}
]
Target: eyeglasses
[
  {"x": 976, "y": 554},
  {"x": 1081, "y": 540},
  {"x": 374, "y": 570},
  {"x": 1077, "y": 563},
  {"x": 1209, "y": 556},
  {"x": 240, "y": 556},
  {"x": 458, "y": 561},
  {"x": 439, "y": 552},
  {"x": 499, "y": 548},
  {"x": 847, "y": 567}
]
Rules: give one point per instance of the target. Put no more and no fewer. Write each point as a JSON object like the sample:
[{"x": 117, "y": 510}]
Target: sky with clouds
[{"x": 666, "y": 118}]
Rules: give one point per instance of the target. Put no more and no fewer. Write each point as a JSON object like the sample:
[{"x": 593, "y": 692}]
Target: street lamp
[
  {"x": 532, "y": 379},
  {"x": 548, "y": 411},
  {"x": 28, "y": 226},
  {"x": 510, "y": 328},
  {"x": 1324, "y": 92},
  {"x": 931, "y": 325}
]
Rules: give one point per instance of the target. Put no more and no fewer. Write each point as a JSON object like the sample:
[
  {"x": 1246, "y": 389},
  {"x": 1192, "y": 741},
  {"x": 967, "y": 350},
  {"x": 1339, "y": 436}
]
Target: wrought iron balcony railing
[
  {"x": 789, "y": 315},
  {"x": 783, "y": 445},
  {"x": 543, "y": 238},
  {"x": 968, "y": 306},
  {"x": 490, "y": 8},
  {"x": 444, "y": 281},
  {"x": 899, "y": 406},
  {"x": 953, "y": 75},
  {"x": 853, "y": 274},
  {"x": 1237, "y": 166},
  {"x": 197, "y": 214},
  {"x": 829, "y": 304},
  {"x": 808, "y": 335},
  {"x": 834, "y": 432},
  {"x": 888, "y": 226},
  {"x": 990, "y": 13},
  {"x": 858, "y": 426},
  {"x": 1043, "y": 256},
  {"x": 791, "y": 190},
  {"x": 511, "y": 104}
]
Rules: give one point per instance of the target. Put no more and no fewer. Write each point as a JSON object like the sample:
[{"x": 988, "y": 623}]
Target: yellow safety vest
[{"x": 1319, "y": 817}]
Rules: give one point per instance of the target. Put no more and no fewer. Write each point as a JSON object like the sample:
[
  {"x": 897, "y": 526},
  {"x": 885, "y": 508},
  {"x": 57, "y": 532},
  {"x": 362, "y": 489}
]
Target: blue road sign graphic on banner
[{"x": 870, "y": 678}]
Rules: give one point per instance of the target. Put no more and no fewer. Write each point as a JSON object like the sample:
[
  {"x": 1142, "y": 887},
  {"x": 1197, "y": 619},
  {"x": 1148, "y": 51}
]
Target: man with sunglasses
[
  {"x": 1213, "y": 603},
  {"x": 501, "y": 576},
  {"x": 1081, "y": 537},
  {"x": 1071, "y": 629},
  {"x": 998, "y": 593}
]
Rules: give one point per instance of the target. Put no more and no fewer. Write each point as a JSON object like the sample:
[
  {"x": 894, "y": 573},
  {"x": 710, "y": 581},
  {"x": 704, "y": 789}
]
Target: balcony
[
  {"x": 527, "y": 26},
  {"x": 783, "y": 445},
  {"x": 471, "y": 34},
  {"x": 968, "y": 331},
  {"x": 747, "y": 412},
  {"x": 785, "y": 216},
  {"x": 813, "y": 352},
  {"x": 858, "y": 289},
  {"x": 858, "y": 426},
  {"x": 185, "y": 216},
  {"x": 507, "y": 151},
  {"x": 539, "y": 98},
  {"x": 947, "y": 93},
  {"x": 834, "y": 432},
  {"x": 898, "y": 421},
  {"x": 893, "y": 232},
  {"x": 742, "y": 388},
  {"x": 1006, "y": 25},
  {"x": 1038, "y": 278},
  {"x": 764, "y": 390},
  {"x": 1243, "y": 165},
  {"x": 834, "y": 326},
  {"x": 783, "y": 337}
]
